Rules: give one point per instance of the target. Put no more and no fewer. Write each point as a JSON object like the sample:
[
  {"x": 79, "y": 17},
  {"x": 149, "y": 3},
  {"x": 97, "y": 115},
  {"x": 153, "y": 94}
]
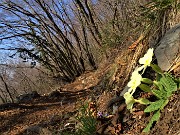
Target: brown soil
[
  {"x": 49, "y": 112},
  {"x": 54, "y": 113}
]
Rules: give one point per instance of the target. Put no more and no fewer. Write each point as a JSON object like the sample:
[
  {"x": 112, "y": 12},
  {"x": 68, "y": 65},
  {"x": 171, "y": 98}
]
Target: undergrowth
[{"x": 86, "y": 119}]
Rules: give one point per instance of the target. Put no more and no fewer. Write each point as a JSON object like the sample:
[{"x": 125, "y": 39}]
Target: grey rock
[
  {"x": 169, "y": 49},
  {"x": 37, "y": 130}
]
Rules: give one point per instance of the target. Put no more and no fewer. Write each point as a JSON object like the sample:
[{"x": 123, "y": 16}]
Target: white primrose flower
[
  {"x": 134, "y": 82},
  {"x": 136, "y": 78},
  {"x": 146, "y": 60},
  {"x": 129, "y": 100}
]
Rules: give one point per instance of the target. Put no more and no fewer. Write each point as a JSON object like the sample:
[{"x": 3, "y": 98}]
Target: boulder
[
  {"x": 168, "y": 51},
  {"x": 27, "y": 97}
]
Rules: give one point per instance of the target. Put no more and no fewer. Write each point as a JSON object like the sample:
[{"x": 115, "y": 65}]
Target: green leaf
[
  {"x": 168, "y": 82},
  {"x": 155, "y": 106},
  {"x": 166, "y": 85},
  {"x": 154, "y": 118},
  {"x": 159, "y": 94},
  {"x": 165, "y": 103},
  {"x": 146, "y": 80},
  {"x": 158, "y": 77},
  {"x": 156, "y": 68},
  {"x": 159, "y": 85},
  {"x": 143, "y": 101},
  {"x": 145, "y": 87}
]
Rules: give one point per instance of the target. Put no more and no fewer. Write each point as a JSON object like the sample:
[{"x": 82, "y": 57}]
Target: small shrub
[
  {"x": 87, "y": 121},
  {"x": 162, "y": 88}
]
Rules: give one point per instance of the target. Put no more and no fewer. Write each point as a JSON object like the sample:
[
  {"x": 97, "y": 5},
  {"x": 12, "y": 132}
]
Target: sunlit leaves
[
  {"x": 154, "y": 106},
  {"x": 154, "y": 118},
  {"x": 145, "y": 88}
]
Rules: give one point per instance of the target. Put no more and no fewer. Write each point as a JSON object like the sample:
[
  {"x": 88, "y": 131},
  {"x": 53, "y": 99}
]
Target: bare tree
[
  {"x": 6, "y": 88},
  {"x": 52, "y": 40}
]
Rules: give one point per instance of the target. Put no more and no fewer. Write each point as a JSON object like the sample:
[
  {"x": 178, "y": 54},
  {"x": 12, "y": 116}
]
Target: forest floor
[{"x": 52, "y": 115}]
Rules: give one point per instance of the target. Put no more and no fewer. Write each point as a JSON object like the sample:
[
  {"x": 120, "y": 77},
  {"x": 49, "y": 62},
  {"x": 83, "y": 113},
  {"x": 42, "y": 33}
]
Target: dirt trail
[{"x": 15, "y": 118}]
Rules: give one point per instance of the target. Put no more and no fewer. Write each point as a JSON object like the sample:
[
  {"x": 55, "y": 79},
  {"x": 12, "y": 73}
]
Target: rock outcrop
[{"x": 168, "y": 51}]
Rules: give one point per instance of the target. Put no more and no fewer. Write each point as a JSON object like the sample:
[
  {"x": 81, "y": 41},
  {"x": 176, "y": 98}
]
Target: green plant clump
[
  {"x": 162, "y": 88},
  {"x": 87, "y": 122}
]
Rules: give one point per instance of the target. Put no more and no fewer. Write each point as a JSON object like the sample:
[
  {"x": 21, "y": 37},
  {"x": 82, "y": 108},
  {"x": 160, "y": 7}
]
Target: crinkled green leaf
[
  {"x": 143, "y": 101},
  {"x": 145, "y": 87},
  {"x": 154, "y": 118},
  {"x": 164, "y": 104},
  {"x": 146, "y": 80},
  {"x": 159, "y": 94},
  {"x": 155, "y": 106},
  {"x": 168, "y": 83},
  {"x": 158, "y": 77},
  {"x": 166, "y": 86},
  {"x": 159, "y": 85}
]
